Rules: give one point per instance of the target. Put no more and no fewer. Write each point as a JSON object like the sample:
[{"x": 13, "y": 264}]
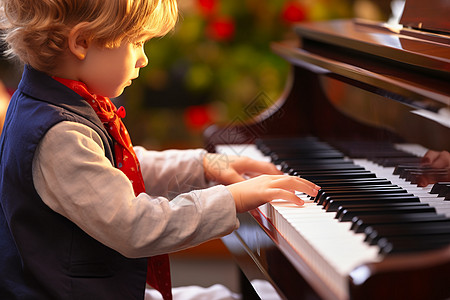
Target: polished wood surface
[
  {"x": 262, "y": 253},
  {"x": 429, "y": 15},
  {"x": 382, "y": 41},
  {"x": 359, "y": 80}
]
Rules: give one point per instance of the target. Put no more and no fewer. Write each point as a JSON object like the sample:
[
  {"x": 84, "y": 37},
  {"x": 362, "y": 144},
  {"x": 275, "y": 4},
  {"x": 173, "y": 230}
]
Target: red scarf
[{"x": 158, "y": 268}]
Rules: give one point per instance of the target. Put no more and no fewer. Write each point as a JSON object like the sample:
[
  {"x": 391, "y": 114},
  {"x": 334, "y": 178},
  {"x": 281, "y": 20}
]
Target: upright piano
[{"x": 364, "y": 101}]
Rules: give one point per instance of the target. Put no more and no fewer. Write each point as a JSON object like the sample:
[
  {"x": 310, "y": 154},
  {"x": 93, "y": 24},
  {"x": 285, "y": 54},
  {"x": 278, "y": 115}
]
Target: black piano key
[
  {"x": 330, "y": 170},
  {"x": 336, "y": 174},
  {"x": 327, "y": 191},
  {"x": 286, "y": 165},
  {"x": 416, "y": 177},
  {"x": 346, "y": 212},
  {"x": 336, "y": 186},
  {"x": 328, "y": 173},
  {"x": 411, "y": 244},
  {"x": 382, "y": 189},
  {"x": 439, "y": 186},
  {"x": 419, "y": 173},
  {"x": 318, "y": 162},
  {"x": 350, "y": 187},
  {"x": 350, "y": 181},
  {"x": 315, "y": 161},
  {"x": 354, "y": 182},
  {"x": 352, "y": 175},
  {"x": 360, "y": 186},
  {"x": 325, "y": 167},
  {"x": 402, "y": 170},
  {"x": 381, "y": 155},
  {"x": 367, "y": 189},
  {"x": 393, "y": 162},
  {"x": 378, "y": 206},
  {"x": 374, "y": 233},
  {"x": 346, "y": 215},
  {"x": 390, "y": 153},
  {"x": 282, "y": 141},
  {"x": 325, "y": 201},
  {"x": 366, "y": 194},
  {"x": 375, "y": 151},
  {"x": 324, "y": 171},
  {"x": 359, "y": 223},
  {"x": 444, "y": 192},
  {"x": 334, "y": 205},
  {"x": 279, "y": 157},
  {"x": 294, "y": 153}
]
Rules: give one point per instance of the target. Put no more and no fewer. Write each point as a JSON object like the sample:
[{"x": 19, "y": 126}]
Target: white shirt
[{"x": 75, "y": 179}]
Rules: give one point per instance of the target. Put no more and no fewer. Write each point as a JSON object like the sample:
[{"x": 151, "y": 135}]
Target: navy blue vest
[{"x": 43, "y": 255}]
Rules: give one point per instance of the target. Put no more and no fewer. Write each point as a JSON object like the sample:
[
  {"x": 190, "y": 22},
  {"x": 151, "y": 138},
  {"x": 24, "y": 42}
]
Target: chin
[{"x": 116, "y": 93}]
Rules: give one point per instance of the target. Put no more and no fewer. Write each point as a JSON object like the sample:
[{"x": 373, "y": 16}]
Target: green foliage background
[{"x": 190, "y": 68}]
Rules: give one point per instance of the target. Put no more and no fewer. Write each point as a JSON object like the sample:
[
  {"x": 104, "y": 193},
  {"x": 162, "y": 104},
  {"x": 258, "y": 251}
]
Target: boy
[{"x": 81, "y": 209}]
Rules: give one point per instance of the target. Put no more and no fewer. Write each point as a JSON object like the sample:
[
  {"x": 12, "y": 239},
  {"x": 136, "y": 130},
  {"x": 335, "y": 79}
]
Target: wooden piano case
[{"x": 352, "y": 79}]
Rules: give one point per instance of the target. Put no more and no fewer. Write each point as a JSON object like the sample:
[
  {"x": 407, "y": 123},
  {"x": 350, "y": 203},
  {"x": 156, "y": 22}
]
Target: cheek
[
  {"x": 119, "y": 69},
  {"x": 106, "y": 82},
  {"x": 109, "y": 73}
]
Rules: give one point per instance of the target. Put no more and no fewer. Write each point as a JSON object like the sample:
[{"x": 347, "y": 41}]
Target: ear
[{"x": 78, "y": 43}]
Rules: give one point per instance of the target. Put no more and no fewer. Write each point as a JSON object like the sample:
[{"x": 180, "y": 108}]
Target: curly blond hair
[{"x": 36, "y": 30}]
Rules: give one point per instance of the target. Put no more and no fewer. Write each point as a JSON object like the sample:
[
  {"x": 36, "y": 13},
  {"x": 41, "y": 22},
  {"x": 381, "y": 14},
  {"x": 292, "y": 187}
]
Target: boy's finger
[
  {"x": 286, "y": 195},
  {"x": 258, "y": 167},
  {"x": 294, "y": 183}
]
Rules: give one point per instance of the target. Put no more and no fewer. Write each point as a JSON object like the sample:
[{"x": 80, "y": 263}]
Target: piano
[{"x": 363, "y": 102}]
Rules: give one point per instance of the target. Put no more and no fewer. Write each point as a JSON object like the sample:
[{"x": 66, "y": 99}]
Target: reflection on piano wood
[{"x": 373, "y": 85}]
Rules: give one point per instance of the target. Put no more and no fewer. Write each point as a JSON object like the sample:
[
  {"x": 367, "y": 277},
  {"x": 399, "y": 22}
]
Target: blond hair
[{"x": 36, "y": 30}]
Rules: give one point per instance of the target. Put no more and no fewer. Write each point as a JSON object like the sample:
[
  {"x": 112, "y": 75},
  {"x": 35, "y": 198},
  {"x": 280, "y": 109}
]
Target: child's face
[{"x": 107, "y": 72}]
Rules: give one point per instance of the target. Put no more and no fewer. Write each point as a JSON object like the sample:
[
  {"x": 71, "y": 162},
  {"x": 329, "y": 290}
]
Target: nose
[{"x": 142, "y": 60}]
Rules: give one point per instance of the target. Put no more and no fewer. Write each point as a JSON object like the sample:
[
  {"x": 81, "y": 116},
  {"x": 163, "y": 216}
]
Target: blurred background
[{"x": 215, "y": 62}]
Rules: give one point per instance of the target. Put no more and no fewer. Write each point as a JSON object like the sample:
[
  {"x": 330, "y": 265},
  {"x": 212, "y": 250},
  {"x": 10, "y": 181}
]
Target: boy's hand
[
  {"x": 249, "y": 194},
  {"x": 228, "y": 169},
  {"x": 256, "y": 191},
  {"x": 437, "y": 159}
]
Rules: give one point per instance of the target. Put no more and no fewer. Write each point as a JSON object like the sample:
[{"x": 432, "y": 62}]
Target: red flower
[
  {"x": 197, "y": 117},
  {"x": 207, "y": 7},
  {"x": 221, "y": 29},
  {"x": 293, "y": 12}
]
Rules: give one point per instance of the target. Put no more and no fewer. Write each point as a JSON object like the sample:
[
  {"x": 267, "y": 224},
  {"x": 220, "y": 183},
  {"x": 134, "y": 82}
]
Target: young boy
[{"x": 81, "y": 209}]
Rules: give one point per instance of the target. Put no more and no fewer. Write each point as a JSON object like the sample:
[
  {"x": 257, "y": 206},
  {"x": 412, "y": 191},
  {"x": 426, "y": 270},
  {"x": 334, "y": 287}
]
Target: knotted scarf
[{"x": 158, "y": 268}]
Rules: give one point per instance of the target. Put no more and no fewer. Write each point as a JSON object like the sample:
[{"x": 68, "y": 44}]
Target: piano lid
[
  {"x": 430, "y": 15},
  {"x": 383, "y": 40},
  {"x": 415, "y": 70},
  {"x": 417, "y": 34},
  {"x": 362, "y": 65}
]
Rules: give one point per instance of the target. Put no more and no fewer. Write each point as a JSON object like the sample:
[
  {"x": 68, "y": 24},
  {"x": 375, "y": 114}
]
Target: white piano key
[
  {"x": 328, "y": 246},
  {"x": 422, "y": 192}
]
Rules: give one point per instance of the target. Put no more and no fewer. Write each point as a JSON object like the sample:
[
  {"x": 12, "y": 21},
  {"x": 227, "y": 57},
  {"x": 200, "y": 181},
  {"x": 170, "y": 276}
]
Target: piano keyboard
[{"x": 332, "y": 247}]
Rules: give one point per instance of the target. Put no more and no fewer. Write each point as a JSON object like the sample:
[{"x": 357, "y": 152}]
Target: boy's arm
[
  {"x": 76, "y": 180},
  {"x": 171, "y": 172}
]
